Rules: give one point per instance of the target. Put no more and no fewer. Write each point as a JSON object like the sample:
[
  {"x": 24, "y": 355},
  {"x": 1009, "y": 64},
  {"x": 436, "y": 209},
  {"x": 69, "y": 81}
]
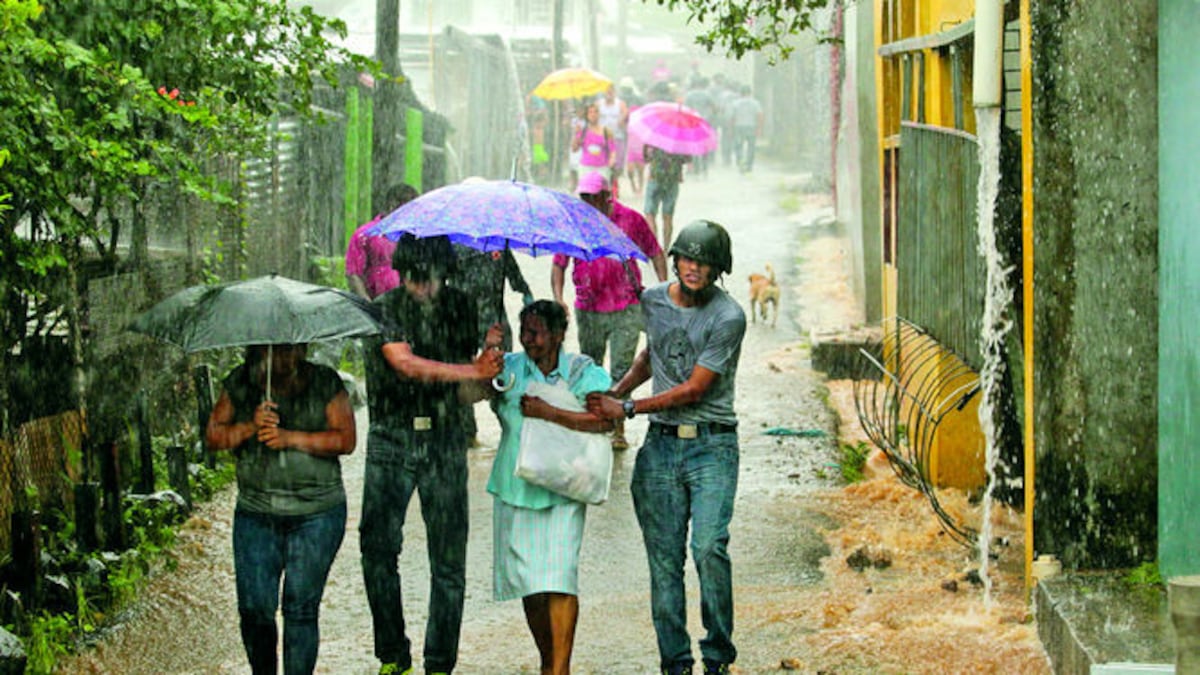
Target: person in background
[
  {"x": 537, "y": 533},
  {"x": 607, "y": 291},
  {"x": 481, "y": 275},
  {"x": 697, "y": 98},
  {"x": 722, "y": 96},
  {"x": 614, "y": 116},
  {"x": 635, "y": 164},
  {"x": 597, "y": 146},
  {"x": 746, "y": 116},
  {"x": 686, "y": 472},
  {"x": 662, "y": 187},
  {"x": 417, "y": 445},
  {"x": 576, "y": 124},
  {"x": 290, "y": 516},
  {"x": 369, "y": 270}
]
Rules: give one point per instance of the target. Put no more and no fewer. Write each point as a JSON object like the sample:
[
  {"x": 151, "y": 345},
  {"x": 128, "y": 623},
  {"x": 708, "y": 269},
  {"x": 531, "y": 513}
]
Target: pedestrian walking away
[
  {"x": 662, "y": 188},
  {"x": 607, "y": 291},
  {"x": 746, "y": 116},
  {"x": 686, "y": 472},
  {"x": 290, "y": 516},
  {"x": 537, "y": 533},
  {"x": 369, "y": 270},
  {"x": 416, "y": 444}
]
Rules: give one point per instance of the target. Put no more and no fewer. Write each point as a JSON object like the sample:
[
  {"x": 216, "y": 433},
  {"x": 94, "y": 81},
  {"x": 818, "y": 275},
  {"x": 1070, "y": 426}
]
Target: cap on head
[
  {"x": 592, "y": 184},
  {"x": 706, "y": 242}
]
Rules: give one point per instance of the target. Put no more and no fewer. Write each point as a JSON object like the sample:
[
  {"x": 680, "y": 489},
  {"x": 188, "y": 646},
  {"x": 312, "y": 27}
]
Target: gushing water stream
[{"x": 996, "y": 320}]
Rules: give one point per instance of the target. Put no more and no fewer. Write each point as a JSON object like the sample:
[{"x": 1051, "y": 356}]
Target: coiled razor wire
[{"x": 901, "y": 398}]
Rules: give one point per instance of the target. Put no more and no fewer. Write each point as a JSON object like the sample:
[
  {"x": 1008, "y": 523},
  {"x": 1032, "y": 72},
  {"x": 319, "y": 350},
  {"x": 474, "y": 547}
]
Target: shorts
[{"x": 661, "y": 195}]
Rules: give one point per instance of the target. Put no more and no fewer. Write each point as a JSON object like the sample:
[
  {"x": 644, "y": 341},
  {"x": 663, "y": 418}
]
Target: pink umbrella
[{"x": 672, "y": 127}]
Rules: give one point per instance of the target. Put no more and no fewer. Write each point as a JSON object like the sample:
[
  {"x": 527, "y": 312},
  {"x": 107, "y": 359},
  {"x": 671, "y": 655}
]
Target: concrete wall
[
  {"x": 1096, "y": 266},
  {"x": 858, "y": 159},
  {"x": 1179, "y": 288}
]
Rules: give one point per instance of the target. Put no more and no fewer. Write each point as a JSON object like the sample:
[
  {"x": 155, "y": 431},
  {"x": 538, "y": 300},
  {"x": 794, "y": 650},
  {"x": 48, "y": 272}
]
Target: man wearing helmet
[{"x": 686, "y": 471}]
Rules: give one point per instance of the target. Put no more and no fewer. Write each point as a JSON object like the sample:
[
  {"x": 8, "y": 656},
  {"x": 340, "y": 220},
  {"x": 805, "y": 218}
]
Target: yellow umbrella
[{"x": 566, "y": 83}]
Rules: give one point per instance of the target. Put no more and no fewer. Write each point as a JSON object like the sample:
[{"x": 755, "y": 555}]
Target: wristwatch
[{"x": 629, "y": 408}]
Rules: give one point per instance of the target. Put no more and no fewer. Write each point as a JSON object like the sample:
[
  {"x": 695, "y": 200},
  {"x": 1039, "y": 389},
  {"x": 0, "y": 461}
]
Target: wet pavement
[{"x": 187, "y": 621}]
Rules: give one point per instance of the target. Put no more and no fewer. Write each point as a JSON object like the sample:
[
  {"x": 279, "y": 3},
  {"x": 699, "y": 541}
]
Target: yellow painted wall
[{"x": 956, "y": 458}]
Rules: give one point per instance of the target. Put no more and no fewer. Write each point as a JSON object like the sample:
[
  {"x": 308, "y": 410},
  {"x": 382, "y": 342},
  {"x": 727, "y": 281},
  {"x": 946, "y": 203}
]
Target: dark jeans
[
  {"x": 677, "y": 482},
  {"x": 301, "y": 550},
  {"x": 395, "y": 470}
]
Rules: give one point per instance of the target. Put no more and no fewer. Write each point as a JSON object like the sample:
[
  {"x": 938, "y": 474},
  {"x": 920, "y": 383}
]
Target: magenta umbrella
[{"x": 672, "y": 127}]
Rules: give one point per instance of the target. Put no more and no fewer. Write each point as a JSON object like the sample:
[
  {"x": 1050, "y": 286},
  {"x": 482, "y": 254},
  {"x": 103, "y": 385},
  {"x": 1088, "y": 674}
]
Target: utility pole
[
  {"x": 386, "y": 119},
  {"x": 556, "y": 62}
]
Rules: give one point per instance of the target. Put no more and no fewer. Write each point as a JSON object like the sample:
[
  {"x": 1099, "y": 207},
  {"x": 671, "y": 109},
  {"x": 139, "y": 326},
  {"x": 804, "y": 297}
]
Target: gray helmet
[{"x": 706, "y": 242}]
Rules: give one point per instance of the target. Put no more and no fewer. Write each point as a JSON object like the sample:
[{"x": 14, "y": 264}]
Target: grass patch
[{"x": 851, "y": 460}]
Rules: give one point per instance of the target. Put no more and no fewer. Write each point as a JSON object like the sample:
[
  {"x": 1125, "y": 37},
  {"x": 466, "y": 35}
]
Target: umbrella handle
[
  {"x": 500, "y": 384},
  {"x": 270, "y": 358}
]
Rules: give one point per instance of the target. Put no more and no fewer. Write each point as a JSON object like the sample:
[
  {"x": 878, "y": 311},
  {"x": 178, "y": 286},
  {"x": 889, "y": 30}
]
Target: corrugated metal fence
[{"x": 941, "y": 276}]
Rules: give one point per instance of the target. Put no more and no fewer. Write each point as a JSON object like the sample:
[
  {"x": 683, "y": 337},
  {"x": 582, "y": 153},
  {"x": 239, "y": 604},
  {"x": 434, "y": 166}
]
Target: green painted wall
[
  {"x": 1096, "y": 280},
  {"x": 1179, "y": 288}
]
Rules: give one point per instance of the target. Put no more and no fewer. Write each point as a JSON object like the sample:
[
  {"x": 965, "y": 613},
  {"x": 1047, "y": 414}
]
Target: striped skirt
[{"x": 536, "y": 550}]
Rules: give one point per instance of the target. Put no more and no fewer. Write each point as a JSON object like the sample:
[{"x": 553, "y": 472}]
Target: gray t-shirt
[
  {"x": 745, "y": 111},
  {"x": 681, "y": 338}
]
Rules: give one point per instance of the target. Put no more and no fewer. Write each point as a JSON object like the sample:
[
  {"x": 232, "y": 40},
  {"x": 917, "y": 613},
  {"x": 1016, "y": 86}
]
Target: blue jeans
[
  {"x": 677, "y": 481},
  {"x": 427, "y": 463},
  {"x": 745, "y": 140},
  {"x": 301, "y": 550}
]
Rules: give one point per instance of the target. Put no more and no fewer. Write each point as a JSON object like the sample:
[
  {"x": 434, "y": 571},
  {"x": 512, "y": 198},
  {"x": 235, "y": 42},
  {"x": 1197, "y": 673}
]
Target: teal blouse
[{"x": 507, "y": 406}]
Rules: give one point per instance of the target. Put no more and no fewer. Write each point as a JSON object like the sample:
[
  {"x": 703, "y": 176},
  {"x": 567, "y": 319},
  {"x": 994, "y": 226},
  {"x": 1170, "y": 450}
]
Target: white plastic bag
[{"x": 575, "y": 464}]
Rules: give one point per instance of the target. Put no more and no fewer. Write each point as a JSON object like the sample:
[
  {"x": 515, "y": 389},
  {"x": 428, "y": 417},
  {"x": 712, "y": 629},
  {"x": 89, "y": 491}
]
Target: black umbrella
[{"x": 266, "y": 310}]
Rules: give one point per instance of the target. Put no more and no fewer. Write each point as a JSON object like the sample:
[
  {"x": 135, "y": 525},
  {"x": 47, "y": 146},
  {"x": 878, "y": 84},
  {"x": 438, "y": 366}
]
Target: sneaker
[
  {"x": 678, "y": 669},
  {"x": 394, "y": 669}
]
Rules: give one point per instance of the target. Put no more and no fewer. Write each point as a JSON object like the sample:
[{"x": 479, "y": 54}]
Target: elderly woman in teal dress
[{"x": 537, "y": 533}]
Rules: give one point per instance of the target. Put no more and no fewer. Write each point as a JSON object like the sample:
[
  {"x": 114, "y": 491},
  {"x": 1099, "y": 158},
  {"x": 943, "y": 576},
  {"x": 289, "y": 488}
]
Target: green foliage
[
  {"x": 100, "y": 100},
  {"x": 49, "y": 638},
  {"x": 741, "y": 26},
  {"x": 1146, "y": 574},
  {"x": 853, "y": 459}
]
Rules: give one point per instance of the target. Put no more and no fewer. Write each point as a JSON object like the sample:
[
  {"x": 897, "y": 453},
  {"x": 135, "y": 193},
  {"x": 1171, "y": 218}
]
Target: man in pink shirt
[
  {"x": 369, "y": 259},
  {"x": 607, "y": 291}
]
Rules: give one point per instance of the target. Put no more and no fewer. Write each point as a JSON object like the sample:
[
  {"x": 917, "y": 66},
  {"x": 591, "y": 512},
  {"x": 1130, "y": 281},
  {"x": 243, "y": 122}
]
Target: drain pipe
[
  {"x": 987, "y": 71},
  {"x": 987, "y": 96}
]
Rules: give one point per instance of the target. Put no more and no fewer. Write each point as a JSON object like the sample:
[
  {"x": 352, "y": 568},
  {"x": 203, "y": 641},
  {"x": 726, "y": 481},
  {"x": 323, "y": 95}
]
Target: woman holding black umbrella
[{"x": 291, "y": 509}]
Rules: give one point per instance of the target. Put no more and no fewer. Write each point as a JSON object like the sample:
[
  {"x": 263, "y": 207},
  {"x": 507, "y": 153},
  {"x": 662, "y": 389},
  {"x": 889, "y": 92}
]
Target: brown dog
[{"x": 764, "y": 291}]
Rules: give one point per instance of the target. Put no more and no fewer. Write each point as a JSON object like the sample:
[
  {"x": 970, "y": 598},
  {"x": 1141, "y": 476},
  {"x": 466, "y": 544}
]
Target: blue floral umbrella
[{"x": 498, "y": 214}]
